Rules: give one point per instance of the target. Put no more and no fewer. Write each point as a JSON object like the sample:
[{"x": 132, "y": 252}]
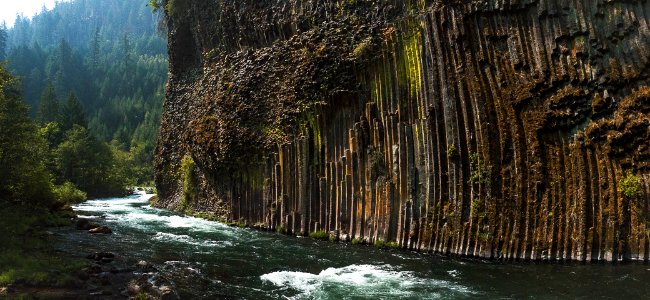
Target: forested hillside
[{"x": 107, "y": 60}]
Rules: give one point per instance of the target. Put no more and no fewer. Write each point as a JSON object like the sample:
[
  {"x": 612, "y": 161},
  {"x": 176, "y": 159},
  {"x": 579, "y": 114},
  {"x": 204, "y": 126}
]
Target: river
[{"x": 207, "y": 260}]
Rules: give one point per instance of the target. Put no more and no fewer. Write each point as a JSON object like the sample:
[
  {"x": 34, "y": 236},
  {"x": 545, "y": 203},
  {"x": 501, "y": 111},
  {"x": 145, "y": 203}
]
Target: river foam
[
  {"x": 186, "y": 239},
  {"x": 363, "y": 281}
]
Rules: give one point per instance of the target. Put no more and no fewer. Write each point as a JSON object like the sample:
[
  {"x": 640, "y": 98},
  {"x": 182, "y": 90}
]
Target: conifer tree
[
  {"x": 48, "y": 110},
  {"x": 23, "y": 176},
  {"x": 3, "y": 41},
  {"x": 72, "y": 113}
]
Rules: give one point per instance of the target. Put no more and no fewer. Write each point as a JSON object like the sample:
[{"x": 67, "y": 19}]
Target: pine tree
[
  {"x": 95, "y": 48},
  {"x": 3, "y": 41},
  {"x": 23, "y": 176},
  {"x": 48, "y": 110},
  {"x": 72, "y": 113}
]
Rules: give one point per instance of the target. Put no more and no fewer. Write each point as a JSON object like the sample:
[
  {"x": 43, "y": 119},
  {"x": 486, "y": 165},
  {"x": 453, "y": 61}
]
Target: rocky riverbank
[{"x": 40, "y": 270}]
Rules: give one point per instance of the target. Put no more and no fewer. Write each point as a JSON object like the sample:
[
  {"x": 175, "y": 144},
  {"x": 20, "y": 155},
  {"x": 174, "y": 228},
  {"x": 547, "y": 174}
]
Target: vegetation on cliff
[{"x": 482, "y": 129}]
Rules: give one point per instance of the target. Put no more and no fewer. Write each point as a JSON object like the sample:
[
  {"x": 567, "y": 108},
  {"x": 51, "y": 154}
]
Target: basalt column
[{"x": 516, "y": 129}]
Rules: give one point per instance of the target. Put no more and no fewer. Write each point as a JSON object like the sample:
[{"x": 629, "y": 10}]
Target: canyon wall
[{"x": 506, "y": 129}]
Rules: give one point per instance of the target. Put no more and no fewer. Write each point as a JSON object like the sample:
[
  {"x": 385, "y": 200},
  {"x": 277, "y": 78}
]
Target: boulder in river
[
  {"x": 104, "y": 257},
  {"x": 85, "y": 224}
]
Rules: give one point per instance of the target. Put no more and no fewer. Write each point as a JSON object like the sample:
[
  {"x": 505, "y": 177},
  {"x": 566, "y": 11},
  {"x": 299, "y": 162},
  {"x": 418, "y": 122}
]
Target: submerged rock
[
  {"x": 85, "y": 224},
  {"x": 104, "y": 257},
  {"x": 101, "y": 230}
]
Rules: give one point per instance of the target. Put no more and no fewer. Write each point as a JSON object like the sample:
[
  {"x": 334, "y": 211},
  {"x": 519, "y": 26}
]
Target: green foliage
[
  {"x": 173, "y": 7},
  {"x": 91, "y": 164},
  {"x": 381, "y": 244},
  {"x": 480, "y": 172},
  {"x": 630, "y": 185},
  {"x": 23, "y": 176},
  {"x": 356, "y": 241},
  {"x": 451, "y": 151},
  {"x": 156, "y": 5},
  {"x": 48, "y": 110},
  {"x": 476, "y": 205},
  {"x": 26, "y": 253},
  {"x": 319, "y": 235},
  {"x": 362, "y": 49},
  {"x": 72, "y": 114},
  {"x": 117, "y": 78},
  {"x": 377, "y": 163},
  {"x": 187, "y": 174},
  {"x": 68, "y": 193},
  {"x": 3, "y": 41},
  {"x": 281, "y": 229}
]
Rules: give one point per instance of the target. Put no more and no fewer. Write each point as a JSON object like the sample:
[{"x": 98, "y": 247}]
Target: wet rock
[
  {"x": 136, "y": 286},
  {"x": 85, "y": 224},
  {"x": 334, "y": 235},
  {"x": 105, "y": 257},
  {"x": 101, "y": 230},
  {"x": 92, "y": 269},
  {"x": 144, "y": 265},
  {"x": 166, "y": 293},
  {"x": 83, "y": 275}
]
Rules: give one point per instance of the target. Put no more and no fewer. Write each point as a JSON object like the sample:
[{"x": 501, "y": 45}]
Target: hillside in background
[{"x": 110, "y": 55}]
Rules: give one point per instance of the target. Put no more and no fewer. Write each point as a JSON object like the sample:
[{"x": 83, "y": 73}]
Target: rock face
[{"x": 511, "y": 129}]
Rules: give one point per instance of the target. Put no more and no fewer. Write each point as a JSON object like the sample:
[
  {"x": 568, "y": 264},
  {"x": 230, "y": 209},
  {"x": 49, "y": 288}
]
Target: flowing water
[{"x": 208, "y": 260}]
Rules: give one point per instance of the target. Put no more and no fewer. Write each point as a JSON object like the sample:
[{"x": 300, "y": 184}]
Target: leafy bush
[
  {"x": 451, "y": 151},
  {"x": 480, "y": 172},
  {"x": 629, "y": 185},
  {"x": 319, "y": 235},
  {"x": 68, "y": 193},
  {"x": 381, "y": 244}
]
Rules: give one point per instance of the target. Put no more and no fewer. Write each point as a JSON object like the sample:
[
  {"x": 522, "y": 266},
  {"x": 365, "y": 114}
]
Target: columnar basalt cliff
[{"x": 511, "y": 129}]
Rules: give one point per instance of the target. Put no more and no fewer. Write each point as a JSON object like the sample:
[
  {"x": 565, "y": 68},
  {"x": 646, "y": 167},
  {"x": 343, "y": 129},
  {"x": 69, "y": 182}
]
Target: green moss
[
  {"x": 141, "y": 296},
  {"x": 362, "y": 49},
  {"x": 451, "y": 150},
  {"x": 480, "y": 172},
  {"x": 187, "y": 172},
  {"x": 242, "y": 224},
  {"x": 377, "y": 163},
  {"x": 381, "y": 244},
  {"x": 174, "y": 7},
  {"x": 476, "y": 206},
  {"x": 27, "y": 254},
  {"x": 319, "y": 235},
  {"x": 155, "y": 5},
  {"x": 630, "y": 186}
]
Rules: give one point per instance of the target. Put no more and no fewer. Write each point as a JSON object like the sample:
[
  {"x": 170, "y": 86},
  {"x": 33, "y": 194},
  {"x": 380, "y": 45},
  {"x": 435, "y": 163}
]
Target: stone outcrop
[{"x": 510, "y": 129}]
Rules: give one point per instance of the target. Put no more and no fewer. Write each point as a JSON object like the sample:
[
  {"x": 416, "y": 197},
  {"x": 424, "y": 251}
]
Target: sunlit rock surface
[{"x": 511, "y": 129}]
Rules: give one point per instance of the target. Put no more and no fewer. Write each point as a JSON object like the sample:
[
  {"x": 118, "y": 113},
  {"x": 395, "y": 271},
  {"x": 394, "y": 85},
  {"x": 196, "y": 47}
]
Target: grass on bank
[{"x": 27, "y": 255}]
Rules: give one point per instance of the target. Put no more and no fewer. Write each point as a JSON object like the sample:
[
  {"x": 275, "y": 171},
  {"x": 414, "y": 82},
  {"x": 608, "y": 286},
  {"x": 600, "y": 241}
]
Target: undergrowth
[{"x": 27, "y": 255}]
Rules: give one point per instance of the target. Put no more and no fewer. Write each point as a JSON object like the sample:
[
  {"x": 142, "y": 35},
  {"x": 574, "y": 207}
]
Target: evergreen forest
[{"x": 82, "y": 91}]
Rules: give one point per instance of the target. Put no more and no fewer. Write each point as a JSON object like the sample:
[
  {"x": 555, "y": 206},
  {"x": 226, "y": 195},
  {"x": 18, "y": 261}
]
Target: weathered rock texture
[{"x": 513, "y": 129}]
